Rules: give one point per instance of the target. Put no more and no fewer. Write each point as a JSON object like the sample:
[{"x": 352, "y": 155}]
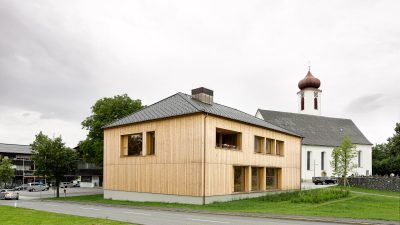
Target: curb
[{"x": 255, "y": 215}]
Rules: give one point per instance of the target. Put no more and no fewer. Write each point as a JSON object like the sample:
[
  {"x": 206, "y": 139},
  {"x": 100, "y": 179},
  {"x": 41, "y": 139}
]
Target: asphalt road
[
  {"x": 26, "y": 195},
  {"x": 149, "y": 217}
]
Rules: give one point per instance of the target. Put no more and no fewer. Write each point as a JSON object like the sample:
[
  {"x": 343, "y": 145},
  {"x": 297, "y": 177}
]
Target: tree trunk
[{"x": 58, "y": 188}]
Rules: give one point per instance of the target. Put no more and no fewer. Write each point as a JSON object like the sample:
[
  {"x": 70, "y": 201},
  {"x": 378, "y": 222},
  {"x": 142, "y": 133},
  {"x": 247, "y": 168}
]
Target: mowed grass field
[
  {"x": 21, "y": 216},
  {"x": 355, "y": 205}
]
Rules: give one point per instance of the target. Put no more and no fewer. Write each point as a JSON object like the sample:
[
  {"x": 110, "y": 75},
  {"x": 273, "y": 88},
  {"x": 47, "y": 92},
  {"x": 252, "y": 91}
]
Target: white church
[{"x": 320, "y": 134}]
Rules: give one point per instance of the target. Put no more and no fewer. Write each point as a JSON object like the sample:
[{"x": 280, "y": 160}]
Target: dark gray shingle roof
[
  {"x": 13, "y": 148},
  {"x": 316, "y": 130},
  {"x": 183, "y": 104}
]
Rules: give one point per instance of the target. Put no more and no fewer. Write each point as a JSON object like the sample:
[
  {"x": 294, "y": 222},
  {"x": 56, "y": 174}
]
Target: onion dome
[{"x": 309, "y": 82}]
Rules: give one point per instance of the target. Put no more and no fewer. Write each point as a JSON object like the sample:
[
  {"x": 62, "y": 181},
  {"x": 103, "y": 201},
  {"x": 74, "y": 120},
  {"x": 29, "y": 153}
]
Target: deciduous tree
[
  {"x": 104, "y": 111},
  {"x": 53, "y": 159},
  {"x": 342, "y": 157},
  {"x": 6, "y": 171}
]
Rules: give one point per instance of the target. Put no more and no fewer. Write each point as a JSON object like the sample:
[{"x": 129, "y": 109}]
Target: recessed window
[
  {"x": 359, "y": 158},
  {"x": 269, "y": 145},
  {"x": 279, "y": 147},
  {"x": 239, "y": 178},
  {"x": 302, "y": 103},
  {"x": 135, "y": 142},
  {"x": 227, "y": 139},
  {"x": 271, "y": 178},
  {"x": 256, "y": 178},
  {"x": 151, "y": 143},
  {"x": 258, "y": 144},
  {"x": 322, "y": 160}
]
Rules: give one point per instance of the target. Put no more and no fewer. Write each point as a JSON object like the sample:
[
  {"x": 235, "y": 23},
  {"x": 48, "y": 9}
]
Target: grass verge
[
  {"x": 358, "y": 206},
  {"x": 21, "y": 216}
]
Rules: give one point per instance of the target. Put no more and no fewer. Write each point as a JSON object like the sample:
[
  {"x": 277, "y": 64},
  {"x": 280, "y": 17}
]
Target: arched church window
[
  {"x": 302, "y": 101},
  {"x": 316, "y": 100},
  {"x": 315, "y": 103}
]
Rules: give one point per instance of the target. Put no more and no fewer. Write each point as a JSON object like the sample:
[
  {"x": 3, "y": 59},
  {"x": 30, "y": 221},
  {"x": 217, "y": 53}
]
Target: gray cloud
[{"x": 58, "y": 58}]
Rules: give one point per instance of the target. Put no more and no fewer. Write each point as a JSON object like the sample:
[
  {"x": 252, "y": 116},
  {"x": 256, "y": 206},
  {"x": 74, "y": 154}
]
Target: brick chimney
[{"x": 203, "y": 95}]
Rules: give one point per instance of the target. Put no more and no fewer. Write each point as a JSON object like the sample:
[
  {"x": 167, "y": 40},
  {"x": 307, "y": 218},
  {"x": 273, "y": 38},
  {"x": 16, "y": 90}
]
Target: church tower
[{"x": 309, "y": 96}]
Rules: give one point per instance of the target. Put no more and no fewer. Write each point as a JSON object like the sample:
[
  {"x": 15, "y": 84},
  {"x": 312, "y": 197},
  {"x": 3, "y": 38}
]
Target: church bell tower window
[
  {"x": 302, "y": 101},
  {"x": 316, "y": 100}
]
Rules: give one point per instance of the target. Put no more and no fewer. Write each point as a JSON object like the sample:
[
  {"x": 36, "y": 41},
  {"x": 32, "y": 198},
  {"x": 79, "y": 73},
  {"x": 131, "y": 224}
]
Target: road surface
[{"x": 150, "y": 217}]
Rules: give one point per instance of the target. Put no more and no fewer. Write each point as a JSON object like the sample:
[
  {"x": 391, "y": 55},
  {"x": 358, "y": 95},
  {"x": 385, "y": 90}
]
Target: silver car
[{"x": 9, "y": 194}]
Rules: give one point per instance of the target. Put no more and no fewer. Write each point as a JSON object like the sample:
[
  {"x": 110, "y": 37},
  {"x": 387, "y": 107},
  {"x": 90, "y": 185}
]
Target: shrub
[{"x": 310, "y": 196}]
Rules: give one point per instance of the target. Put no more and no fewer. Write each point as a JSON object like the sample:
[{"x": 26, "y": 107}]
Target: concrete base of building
[{"x": 151, "y": 197}]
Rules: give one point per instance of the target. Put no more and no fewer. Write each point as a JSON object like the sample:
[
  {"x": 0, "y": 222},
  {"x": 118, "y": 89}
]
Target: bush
[{"x": 310, "y": 196}]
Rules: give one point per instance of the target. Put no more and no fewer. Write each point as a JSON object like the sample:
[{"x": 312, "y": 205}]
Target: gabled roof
[
  {"x": 316, "y": 130},
  {"x": 182, "y": 104},
  {"x": 13, "y": 148}
]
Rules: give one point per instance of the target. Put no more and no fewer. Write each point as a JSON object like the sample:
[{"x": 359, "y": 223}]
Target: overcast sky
[{"x": 58, "y": 57}]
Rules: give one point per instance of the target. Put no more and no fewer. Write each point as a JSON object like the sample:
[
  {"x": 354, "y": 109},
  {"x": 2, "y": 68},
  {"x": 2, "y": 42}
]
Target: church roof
[
  {"x": 316, "y": 130},
  {"x": 14, "y": 148},
  {"x": 182, "y": 104}
]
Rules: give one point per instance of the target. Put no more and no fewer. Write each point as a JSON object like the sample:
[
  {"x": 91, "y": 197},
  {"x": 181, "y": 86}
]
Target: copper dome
[{"x": 309, "y": 82}]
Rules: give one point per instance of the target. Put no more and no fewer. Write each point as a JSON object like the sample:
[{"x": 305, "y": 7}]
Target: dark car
[{"x": 324, "y": 180}]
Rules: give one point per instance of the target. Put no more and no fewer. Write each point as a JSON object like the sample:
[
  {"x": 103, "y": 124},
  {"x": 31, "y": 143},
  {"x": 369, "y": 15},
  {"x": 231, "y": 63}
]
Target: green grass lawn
[
  {"x": 358, "y": 206},
  {"x": 21, "y": 216}
]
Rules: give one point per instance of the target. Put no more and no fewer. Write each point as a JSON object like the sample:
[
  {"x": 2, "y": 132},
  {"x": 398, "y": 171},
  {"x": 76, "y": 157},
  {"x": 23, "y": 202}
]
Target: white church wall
[{"x": 315, "y": 161}]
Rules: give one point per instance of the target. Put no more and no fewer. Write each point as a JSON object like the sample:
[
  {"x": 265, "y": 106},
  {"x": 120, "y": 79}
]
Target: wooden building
[{"x": 188, "y": 149}]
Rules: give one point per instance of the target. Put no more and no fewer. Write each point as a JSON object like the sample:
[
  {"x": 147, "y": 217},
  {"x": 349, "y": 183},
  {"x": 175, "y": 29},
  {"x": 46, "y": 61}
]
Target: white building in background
[{"x": 321, "y": 134}]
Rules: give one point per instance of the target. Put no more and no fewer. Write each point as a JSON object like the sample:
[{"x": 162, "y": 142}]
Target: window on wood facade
[
  {"x": 135, "y": 142},
  {"x": 258, "y": 144},
  {"x": 228, "y": 139},
  {"x": 151, "y": 143},
  {"x": 239, "y": 179},
  {"x": 279, "y": 147},
  {"x": 272, "y": 178},
  {"x": 269, "y": 145},
  {"x": 309, "y": 160},
  {"x": 256, "y": 178}
]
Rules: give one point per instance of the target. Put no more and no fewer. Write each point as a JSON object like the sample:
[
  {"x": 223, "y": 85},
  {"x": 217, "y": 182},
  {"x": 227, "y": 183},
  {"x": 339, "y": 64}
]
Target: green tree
[
  {"x": 386, "y": 156},
  {"x": 342, "y": 157},
  {"x": 6, "y": 171},
  {"x": 104, "y": 111},
  {"x": 53, "y": 159}
]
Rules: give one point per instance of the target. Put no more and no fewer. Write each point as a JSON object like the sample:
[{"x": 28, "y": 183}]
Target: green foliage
[
  {"x": 22, "y": 216},
  {"x": 52, "y": 158},
  {"x": 6, "y": 171},
  {"x": 386, "y": 156},
  {"x": 104, "y": 111},
  {"x": 342, "y": 157},
  {"x": 311, "y": 196}
]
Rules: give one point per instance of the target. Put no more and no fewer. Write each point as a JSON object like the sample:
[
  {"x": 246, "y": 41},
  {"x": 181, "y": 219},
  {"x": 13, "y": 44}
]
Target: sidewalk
[{"x": 241, "y": 214}]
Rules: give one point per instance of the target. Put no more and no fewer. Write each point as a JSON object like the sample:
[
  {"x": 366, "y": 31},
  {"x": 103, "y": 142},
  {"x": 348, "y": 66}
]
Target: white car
[{"x": 9, "y": 194}]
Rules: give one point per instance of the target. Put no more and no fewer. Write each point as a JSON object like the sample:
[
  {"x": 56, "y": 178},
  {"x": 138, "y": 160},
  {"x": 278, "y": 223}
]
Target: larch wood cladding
[{"x": 177, "y": 166}]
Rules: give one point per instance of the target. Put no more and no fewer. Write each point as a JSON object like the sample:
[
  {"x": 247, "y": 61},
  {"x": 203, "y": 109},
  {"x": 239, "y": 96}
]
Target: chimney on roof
[{"x": 203, "y": 95}]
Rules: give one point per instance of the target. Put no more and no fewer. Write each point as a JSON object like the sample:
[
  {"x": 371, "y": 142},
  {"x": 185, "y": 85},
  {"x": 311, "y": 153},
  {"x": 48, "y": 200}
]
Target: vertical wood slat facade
[{"x": 177, "y": 166}]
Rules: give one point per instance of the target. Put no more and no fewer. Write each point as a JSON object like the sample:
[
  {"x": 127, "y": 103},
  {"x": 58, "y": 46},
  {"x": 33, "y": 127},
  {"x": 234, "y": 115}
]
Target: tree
[
  {"x": 104, "y": 111},
  {"x": 342, "y": 157},
  {"x": 6, "y": 171},
  {"x": 386, "y": 156},
  {"x": 53, "y": 159}
]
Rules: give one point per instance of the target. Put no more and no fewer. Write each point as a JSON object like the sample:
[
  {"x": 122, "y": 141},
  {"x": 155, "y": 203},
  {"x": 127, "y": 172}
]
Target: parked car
[
  {"x": 9, "y": 194},
  {"x": 22, "y": 187},
  {"x": 39, "y": 187},
  {"x": 66, "y": 185},
  {"x": 76, "y": 183},
  {"x": 324, "y": 180}
]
